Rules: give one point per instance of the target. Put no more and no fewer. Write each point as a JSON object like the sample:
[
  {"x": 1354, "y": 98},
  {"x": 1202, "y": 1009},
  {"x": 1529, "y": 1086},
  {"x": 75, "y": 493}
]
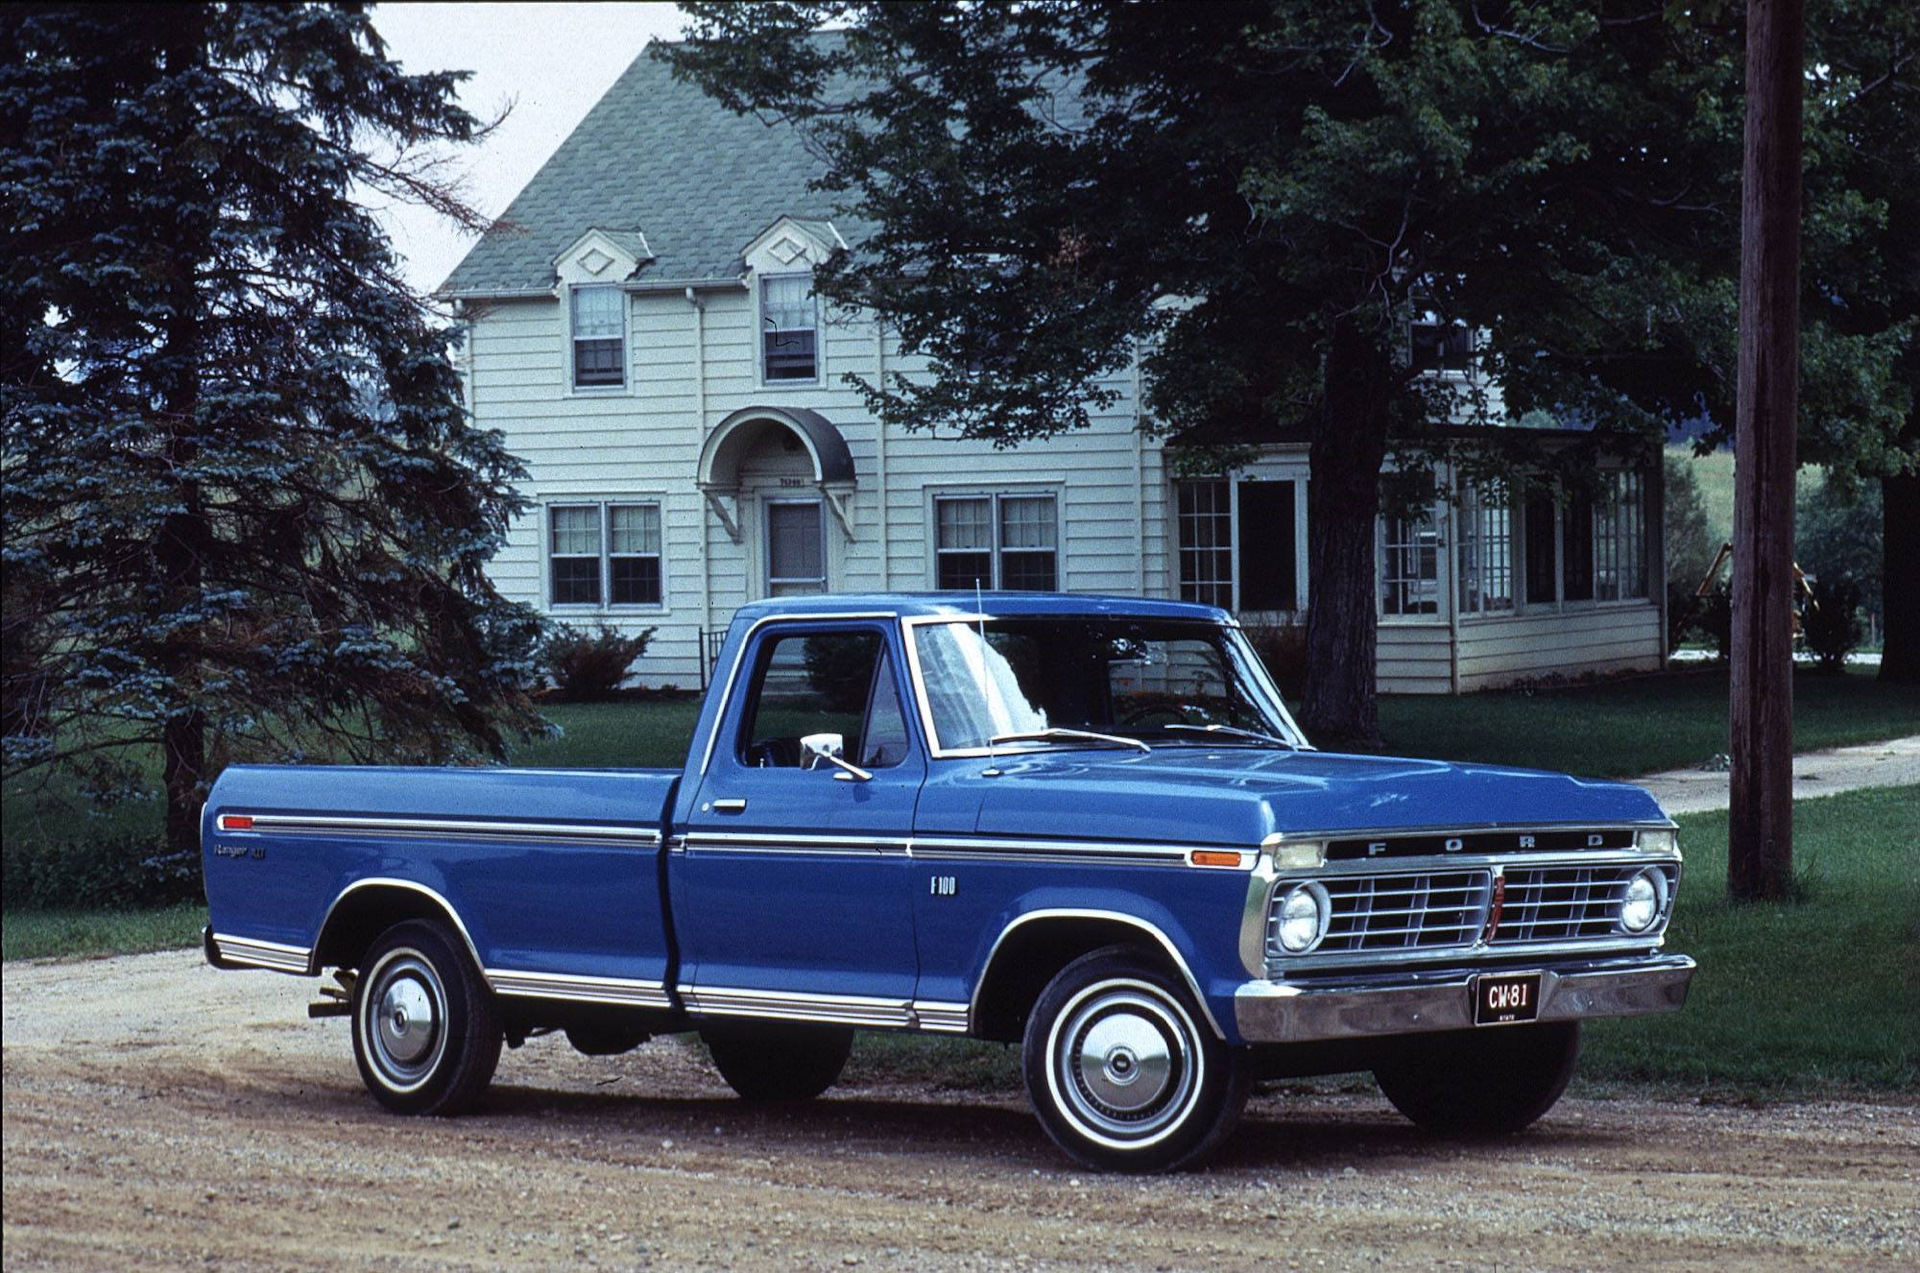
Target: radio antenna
[{"x": 986, "y": 700}]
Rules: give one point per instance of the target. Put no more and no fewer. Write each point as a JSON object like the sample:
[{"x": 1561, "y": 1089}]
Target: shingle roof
[{"x": 662, "y": 157}]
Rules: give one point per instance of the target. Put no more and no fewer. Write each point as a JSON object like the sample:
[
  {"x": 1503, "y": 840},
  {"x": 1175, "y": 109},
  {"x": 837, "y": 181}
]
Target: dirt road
[{"x": 160, "y": 1115}]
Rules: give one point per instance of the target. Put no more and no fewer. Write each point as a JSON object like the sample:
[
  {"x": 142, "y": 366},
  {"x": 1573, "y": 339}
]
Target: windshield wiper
[
  {"x": 1069, "y": 735},
  {"x": 1251, "y": 734}
]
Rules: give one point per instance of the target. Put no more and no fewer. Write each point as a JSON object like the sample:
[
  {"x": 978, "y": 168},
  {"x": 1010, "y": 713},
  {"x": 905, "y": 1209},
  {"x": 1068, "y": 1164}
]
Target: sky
[{"x": 550, "y": 62}]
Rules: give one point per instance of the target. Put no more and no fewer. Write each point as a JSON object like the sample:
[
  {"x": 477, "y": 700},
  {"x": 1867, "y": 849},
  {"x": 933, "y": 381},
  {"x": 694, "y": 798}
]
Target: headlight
[
  {"x": 1301, "y": 919},
  {"x": 1643, "y": 901},
  {"x": 1662, "y": 840}
]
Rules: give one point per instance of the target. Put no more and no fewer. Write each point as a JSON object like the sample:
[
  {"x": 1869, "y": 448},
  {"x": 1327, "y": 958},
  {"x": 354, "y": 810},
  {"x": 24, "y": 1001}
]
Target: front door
[
  {"x": 796, "y": 547},
  {"x": 791, "y": 894}
]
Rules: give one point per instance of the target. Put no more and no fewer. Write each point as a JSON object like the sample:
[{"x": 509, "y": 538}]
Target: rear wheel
[
  {"x": 1122, "y": 1071},
  {"x": 777, "y": 1061},
  {"x": 425, "y": 1034},
  {"x": 1491, "y": 1082}
]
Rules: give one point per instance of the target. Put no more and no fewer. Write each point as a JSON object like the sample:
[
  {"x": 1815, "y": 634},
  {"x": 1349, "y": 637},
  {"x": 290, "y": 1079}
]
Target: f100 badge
[
  {"x": 254, "y": 851},
  {"x": 942, "y": 885}
]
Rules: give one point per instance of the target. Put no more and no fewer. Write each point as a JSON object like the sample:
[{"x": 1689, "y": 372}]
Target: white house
[{"x": 643, "y": 331}]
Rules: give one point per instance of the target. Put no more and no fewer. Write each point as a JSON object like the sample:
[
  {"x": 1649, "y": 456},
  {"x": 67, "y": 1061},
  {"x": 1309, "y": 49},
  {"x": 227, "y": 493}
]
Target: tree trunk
[
  {"x": 1343, "y": 499},
  {"x": 1899, "y": 599},
  {"x": 1760, "y": 818}
]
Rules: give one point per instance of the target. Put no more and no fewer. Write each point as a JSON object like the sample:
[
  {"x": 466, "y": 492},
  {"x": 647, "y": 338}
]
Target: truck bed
[{"x": 513, "y": 853}]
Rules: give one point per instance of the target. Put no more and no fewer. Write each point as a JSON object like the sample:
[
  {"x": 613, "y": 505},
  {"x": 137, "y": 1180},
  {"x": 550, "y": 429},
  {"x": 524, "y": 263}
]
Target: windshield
[{"x": 1163, "y": 682}]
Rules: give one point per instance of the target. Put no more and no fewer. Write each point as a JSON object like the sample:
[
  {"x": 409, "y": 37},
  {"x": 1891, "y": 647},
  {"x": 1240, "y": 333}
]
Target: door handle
[{"x": 733, "y": 804}]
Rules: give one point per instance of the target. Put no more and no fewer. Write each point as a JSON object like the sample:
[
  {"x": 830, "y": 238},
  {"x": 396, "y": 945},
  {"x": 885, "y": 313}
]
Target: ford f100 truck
[{"x": 1083, "y": 825}]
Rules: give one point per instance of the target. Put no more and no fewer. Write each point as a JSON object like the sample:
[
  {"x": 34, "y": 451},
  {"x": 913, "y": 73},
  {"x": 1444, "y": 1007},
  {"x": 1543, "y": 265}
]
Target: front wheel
[
  {"x": 425, "y": 1034},
  {"x": 1122, "y": 1071},
  {"x": 1488, "y": 1082}
]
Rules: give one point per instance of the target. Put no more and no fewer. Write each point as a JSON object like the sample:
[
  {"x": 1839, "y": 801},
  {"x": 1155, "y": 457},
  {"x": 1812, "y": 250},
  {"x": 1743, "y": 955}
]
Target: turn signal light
[
  {"x": 1213, "y": 857},
  {"x": 235, "y": 822}
]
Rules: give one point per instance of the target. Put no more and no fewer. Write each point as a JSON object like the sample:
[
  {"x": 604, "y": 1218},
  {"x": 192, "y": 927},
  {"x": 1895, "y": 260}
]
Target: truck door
[{"x": 790, "y": 883}]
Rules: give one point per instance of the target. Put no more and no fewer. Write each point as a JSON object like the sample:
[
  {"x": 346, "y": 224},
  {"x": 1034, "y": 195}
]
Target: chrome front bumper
[{"x": 1415, "y": 1002}]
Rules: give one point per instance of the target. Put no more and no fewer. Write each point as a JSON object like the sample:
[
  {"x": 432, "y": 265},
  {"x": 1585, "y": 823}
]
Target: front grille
[
  {"x": 1449, "y": 910},
  {"x": 1403, "y": 912},
  {"x": 1562, "y": 903}
]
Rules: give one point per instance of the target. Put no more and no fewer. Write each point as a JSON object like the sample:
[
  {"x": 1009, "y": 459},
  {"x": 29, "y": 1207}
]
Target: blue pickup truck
[{"x": 1083, "y": 825}]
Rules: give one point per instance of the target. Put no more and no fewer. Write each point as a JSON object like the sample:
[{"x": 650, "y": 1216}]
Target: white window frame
[
  {"x": 1300, "y": 489},
  {"x": 1605, "y": 503},
  {"x": 1469, "y": 535},
  {"x": 606, "y": 604},
  {"x": 573, "y": 342},
  {"x": 1231, "y": 512},
  {"x": 996, "y": 553},
  {"x": 760, "y": 334},
  {"x": 1384, "y": 547}
]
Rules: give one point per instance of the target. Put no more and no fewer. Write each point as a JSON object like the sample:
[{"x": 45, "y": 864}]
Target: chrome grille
[
  {"x": 1401, "y": 912},
  {"x": 1563, "y": 903}
]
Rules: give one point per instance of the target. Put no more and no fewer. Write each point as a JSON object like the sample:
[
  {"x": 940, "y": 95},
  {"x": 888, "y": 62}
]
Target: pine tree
[{"x": 246, "y": 513}]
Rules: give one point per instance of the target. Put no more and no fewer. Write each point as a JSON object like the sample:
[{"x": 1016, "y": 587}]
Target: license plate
[{"x": 1505, "y": 998}]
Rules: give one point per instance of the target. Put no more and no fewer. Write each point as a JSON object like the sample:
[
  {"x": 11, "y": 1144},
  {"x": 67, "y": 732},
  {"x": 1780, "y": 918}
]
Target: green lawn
[
  {"x": 81, "y": 934},
  {"x": 1618, "y": 729},
  {"x": 1819, "y": 995}
]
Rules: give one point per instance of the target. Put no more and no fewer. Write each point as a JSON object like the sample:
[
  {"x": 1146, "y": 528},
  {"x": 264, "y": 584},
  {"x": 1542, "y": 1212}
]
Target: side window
[{"x": 823, "y": 683}]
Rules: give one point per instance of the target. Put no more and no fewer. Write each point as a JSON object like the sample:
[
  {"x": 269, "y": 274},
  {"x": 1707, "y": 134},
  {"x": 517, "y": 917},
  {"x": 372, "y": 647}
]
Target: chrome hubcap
[
  {"x": 404, "y": 1020},
  {"x": 1125, "y": 1062}
]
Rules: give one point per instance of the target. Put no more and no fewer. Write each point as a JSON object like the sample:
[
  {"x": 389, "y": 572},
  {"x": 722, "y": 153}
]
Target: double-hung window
[
  {"x": 996, "y": 541},
  {"x": 599, "y": 323},
  {"x": 789, "y": 328},
  {"x": 604, "y": 554}
]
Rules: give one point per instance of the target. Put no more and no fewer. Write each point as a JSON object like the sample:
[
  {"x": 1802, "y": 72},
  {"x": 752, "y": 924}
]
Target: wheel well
[
  {"x": 1033, "y": 954},
  {"x": 361, "y": 916}
]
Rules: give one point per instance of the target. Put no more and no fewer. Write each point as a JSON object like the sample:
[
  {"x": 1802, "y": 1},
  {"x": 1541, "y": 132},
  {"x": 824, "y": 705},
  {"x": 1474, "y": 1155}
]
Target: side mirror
[
  {"x": 816, "y": 749},
  {"x": 829, "y": 749}
]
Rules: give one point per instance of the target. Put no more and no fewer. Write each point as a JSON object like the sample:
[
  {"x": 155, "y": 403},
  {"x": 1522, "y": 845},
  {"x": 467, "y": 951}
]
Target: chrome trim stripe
[
  {"x": 1340, "y": 868},
  {"x": 951, "y": 848},
  {"x": 1166, "y": 944},
  {"x": 941, "y": 1018},
  {"x": 447, "y": 827},
  {"x": 784, "y": 842},
  {"x": 547, "y": 985},
  {"x": 740, "y": 656},
  {"x": 942, "y": 848},
  {"x": 278, "y": 956},
  {"x": 797, "y": 1006}
]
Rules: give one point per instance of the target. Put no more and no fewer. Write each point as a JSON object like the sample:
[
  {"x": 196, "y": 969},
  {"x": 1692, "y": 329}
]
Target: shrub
[
  {"x": 110, "y": 873},
  {"x": 1714, "y": 618},
  {"x": 840, "y": 671},
  {"x": 588, "y": 667},
  {"x": 1283, "y": 648},
  {"x": 1831, "y": 624}
]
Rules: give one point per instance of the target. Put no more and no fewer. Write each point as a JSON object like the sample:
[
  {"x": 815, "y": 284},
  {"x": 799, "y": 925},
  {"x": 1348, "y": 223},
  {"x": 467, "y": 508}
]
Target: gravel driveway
[{"x": 161, "y": 1115}]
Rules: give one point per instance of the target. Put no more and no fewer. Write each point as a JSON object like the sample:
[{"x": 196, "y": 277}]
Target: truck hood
[{"x": 1242, "y": 795}]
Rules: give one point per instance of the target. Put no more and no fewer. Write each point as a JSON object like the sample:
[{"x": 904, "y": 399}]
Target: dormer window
[
  {"x": 599, "y": 337},
  {"x": 789, "y": 329},
  {"x": 1439, "y": 346}
]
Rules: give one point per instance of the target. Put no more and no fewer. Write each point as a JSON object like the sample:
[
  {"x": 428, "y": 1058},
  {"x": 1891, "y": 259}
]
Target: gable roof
[{"x": 659, "y": 156}]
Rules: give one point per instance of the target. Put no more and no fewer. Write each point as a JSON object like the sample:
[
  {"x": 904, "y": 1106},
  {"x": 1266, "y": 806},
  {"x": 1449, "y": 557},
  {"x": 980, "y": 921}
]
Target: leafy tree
[
  {"x": 1260, "y": 195},
  {"x": 246, "y": 514}
]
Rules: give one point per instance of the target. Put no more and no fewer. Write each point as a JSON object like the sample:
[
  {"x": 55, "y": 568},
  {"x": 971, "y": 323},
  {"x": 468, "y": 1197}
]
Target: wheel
[
  {"x": 1122, "y": 1070},
  {"x": 425, "y": 1033},
  {"x": 1490, "y": 1082},
  {"x": 777, "y": 1061}
]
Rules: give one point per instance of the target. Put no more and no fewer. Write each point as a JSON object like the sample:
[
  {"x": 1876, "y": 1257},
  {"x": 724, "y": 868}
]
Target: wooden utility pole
[{"x": 1760, "y": 857}]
